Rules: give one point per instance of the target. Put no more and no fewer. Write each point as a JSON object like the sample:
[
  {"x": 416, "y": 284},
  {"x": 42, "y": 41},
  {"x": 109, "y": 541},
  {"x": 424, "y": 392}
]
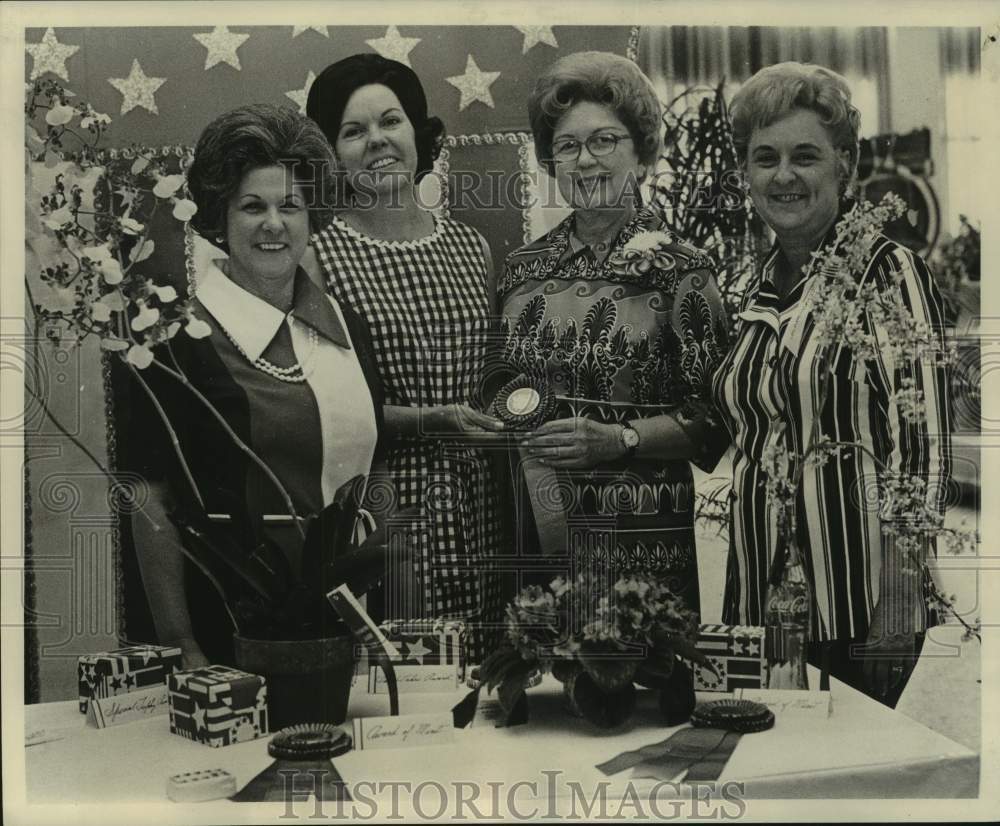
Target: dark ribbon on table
[
  {"x": 276, "y": 783},
  {"x": 704, "y": 752}
]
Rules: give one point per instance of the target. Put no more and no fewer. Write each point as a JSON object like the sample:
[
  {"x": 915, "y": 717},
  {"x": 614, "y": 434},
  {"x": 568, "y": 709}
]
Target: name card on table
[
  {"x": 103, "y": 712},
  {"x": 790, "y": 701},
  {"x": 403, "y": 732},
  {"x": 416, "y": 679}
]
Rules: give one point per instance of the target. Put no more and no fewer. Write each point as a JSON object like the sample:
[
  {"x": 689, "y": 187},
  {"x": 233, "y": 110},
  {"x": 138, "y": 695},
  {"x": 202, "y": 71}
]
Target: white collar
[{"x": 250, "y": 321}]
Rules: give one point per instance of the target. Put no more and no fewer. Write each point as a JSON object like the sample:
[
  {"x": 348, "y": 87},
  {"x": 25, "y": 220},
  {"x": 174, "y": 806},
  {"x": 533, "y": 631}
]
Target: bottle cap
[
  {"x": 733, "y": 715},
  {"x": 309, "y": 741}
]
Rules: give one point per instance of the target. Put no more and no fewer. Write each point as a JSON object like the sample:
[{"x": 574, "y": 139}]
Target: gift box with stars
[
  {"x": 123, "y": 670},
  {"x": 423, "y": 643},
  {"x": 737, "y": 652},
  {"x": 217, "y": 705}
]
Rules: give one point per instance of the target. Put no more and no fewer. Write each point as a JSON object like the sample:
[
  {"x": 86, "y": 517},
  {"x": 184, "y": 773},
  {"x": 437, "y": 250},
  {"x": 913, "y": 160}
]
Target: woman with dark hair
[
  {"x": 624, "y": 322},
  {"x": 422, "y": 284},
  {"x": 289, "y": 370},
  {"x": 796, "y": 135}
]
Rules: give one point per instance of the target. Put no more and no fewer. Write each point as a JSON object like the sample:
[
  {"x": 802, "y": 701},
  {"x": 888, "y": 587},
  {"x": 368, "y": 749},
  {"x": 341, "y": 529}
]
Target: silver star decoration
[
  {"x": 222, "y": 45},
  {"x": 300, "y": 96},
  {"x": 737, "y": 647},
  {"x": 297, "y": 30},
  {"x": 394, "y": 46},
  {"x": 754, "y": 648},
  {"x": 50, "y": 56},
  {"x": 533, "y": 35},
  {"x": 137, "y": 89},
  {"x": 417, "y": 650},
  {"x": 474, "y": 84}
]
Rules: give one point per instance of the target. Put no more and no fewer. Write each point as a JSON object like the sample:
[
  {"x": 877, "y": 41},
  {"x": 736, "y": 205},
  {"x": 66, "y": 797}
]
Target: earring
[{"x": 219, "y": 239}]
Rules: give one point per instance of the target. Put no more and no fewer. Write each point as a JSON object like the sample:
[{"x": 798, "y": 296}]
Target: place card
[
  {"x": 416, "y": 679},
  {"x": 104, "y": 712},
  {"x": 403, "y": 732},
  {"x": 785, "y": 702}
]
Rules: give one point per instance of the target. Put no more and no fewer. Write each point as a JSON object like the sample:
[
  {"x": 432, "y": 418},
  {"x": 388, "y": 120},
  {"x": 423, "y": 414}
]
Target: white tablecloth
[{"x": 862, "y": 750}]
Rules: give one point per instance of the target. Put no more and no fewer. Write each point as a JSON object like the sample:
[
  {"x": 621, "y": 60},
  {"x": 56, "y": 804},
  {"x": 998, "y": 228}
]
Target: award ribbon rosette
[{"x": 523, "y": 404}]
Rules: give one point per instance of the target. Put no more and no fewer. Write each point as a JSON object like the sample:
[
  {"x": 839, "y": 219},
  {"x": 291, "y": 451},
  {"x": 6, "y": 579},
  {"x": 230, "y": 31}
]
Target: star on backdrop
[
  {"x": 297, "y": 30},
  {"x": 137, "y": 89},
  {"x": 222, "y": 45},
  {"x": 300, "y": 96},
  {"x": 533, "y": 35},
  {"x": 394, "y": 46},
  {"x": 50, "y": 56},
  {"x": 474, "y": 85}
]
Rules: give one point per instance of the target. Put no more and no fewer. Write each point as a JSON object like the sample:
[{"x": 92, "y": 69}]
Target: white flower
[
  {"x": 59, "y": 115},
  {"x": 114, "y": 301},
  {"x": 196, "y": 328},
  {"x": 142, "y": 251},
  {"x": 172, "y": 328},
  {"x": 95, "y": 119},
  {"x": 112, "y": 343},
  {"x": 140, "y": 356},
  {"x": 147, "y": 317},
  {"x": 99, "y": 311},
  {"x": 111, "y": 270},
  {"x": 168, "y": 185},
  {"x": 131, "y": 226},
  {"x": 184, "y": 209},
  {"x": 139, "y": 164},
  {"x": 165, "y": 294},
  {"x": 55, "y": 220},
  {"x": 98, "y": 253},
  {"x": 647, "y": 240}
]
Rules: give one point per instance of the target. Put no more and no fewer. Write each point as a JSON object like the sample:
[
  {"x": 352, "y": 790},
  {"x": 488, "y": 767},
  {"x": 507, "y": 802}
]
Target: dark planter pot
[
  {"x": 605, "y": 709},
  {"x": 677, "y": 699},
  {"x": 308, "y": 681}
]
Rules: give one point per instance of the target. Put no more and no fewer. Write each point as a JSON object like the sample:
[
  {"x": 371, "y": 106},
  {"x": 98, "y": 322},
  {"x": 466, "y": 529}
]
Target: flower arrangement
[
  {"x": 849, "y": 313},
  {"x": 89, "y": 231},
  {"x": 599, "y": 641}
]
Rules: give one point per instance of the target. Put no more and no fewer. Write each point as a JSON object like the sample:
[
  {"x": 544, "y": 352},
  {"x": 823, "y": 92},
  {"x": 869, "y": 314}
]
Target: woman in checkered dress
[{"x": 421, "y": 283}]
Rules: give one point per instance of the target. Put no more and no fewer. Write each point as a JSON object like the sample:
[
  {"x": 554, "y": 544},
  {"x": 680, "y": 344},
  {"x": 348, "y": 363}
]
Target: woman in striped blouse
[{"x": 796, "y": 134}]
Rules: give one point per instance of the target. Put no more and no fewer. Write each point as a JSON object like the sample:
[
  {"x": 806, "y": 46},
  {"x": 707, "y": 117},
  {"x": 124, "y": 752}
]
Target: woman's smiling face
[
  {"x": 267, "y": 225},
  {"x": 376, "y": 143},
  {"x": 795, "y": 173}
]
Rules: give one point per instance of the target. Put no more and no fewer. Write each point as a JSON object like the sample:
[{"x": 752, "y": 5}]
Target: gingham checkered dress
[{"x": 426, "y": 304}]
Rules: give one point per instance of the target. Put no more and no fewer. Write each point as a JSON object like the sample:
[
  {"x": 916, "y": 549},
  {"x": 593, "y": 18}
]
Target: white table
[{"x": 863, "y": 750}]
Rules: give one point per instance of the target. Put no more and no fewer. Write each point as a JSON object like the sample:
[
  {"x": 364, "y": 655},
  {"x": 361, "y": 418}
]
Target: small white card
[
  {"x": 790, "y": 701},
  {"x": 416, "y": 679},
  {"x": 353, "y": 613},
  {"x": 127, "y": 708},
  {"x": 403, "y": 732}
]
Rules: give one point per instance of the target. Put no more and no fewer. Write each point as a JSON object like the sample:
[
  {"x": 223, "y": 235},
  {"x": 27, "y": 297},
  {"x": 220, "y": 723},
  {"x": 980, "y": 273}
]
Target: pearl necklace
[{"x": 296, "y": 374}]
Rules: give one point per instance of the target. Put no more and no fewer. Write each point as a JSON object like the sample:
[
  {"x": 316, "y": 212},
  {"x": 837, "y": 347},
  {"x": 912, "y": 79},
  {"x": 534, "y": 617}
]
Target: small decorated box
[
  {"x": 217, "y": 705},
  {"x": 431, "y": 655},
  {"x": 737, "y": 652},
  {"x": 123, "y": 670}
]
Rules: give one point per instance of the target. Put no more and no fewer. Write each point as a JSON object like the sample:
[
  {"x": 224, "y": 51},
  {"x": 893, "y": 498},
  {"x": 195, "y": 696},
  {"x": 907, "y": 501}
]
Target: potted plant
[
  {"x": 600, "y": 640},
  {"x": 88, "y": 222}
]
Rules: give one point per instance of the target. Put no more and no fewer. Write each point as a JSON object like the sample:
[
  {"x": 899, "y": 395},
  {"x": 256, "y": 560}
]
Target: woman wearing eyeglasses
[{"x": 623, "y": 321}]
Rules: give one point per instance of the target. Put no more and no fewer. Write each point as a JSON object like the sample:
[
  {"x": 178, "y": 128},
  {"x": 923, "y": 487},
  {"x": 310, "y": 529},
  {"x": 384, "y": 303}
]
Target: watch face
[{"x": 630, "y": 437}]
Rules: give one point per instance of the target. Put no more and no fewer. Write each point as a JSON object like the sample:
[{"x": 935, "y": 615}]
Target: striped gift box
[
  {"x": 123, "y": 670},
  {"x": 217, "y": 705},
  {"x": 737, "y": 652}
]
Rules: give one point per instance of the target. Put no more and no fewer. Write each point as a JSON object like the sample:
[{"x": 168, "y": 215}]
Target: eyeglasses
[{"x": 603, "y": 143}]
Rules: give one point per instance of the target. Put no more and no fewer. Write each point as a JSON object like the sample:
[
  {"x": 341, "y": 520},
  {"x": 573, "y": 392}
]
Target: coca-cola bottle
[{"x": 787, "y": 618}]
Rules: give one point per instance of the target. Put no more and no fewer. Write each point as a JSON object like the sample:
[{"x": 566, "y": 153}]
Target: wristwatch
[{"x": 629, "y": 438}]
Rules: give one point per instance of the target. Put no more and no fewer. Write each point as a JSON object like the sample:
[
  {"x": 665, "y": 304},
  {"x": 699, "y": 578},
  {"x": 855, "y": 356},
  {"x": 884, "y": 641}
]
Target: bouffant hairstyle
[
  {"x": 778, "y": 90},
  {"x": 248, "y": 138},
  {"x": 596, "y": 77},
  {"x": 331, "y": 91}
]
